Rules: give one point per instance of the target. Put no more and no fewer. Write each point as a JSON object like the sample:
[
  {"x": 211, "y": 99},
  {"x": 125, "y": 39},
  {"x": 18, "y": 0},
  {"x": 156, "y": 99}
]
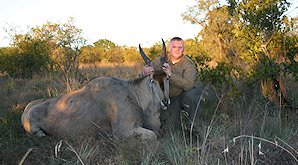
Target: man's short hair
[{"x": 176, "y": 39}]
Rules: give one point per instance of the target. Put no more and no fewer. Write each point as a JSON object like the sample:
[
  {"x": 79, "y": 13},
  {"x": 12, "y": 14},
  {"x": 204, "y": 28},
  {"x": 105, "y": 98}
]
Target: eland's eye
[{"x": 152, "y": 81}]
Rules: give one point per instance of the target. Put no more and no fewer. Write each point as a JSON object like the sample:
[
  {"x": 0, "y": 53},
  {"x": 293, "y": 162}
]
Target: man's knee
[
  {"x": 190, "y": 98},
  {"x": 189, "y": 102}
]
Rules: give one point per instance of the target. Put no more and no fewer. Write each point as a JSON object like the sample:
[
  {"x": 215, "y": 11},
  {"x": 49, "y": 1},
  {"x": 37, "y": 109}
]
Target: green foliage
[
  {"x": 202, "y": 60},
  {"x": 104, "y": 44},
  {"x": 154, "y": 50},
  {"x": 67, "y": 41},
  {"x": 278, "y": 59},
  {"x": 50, "y": 46},
  {"x": 291, "y": 49},
  {"x": 218, "y": 76},
  {"x": 254, "y": 39},
  {"x": 193, "y": 47},
  {"x": 7, "y": 55},
  {"x": 30, "y": 57},
  {"x": 267, "y": 68},
  {"x": 259, "y": 29},
  {"x": 88, "y": 54},
  {"x": 116, "y": 55},
  {"x": 266, "y": 16},
  {"x": 102, "y": 50},
  {"x": 131, "y": 55}
]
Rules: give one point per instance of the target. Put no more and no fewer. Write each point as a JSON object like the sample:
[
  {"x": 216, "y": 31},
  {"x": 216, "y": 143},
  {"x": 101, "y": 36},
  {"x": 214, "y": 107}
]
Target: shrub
[{"x": 29, "y": 58}]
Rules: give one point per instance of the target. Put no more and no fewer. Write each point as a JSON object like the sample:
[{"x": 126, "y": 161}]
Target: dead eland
[{"x": 106, "y": 105}]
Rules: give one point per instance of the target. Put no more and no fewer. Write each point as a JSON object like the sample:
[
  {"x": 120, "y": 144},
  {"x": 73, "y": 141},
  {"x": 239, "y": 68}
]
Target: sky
[{"x": 124, "y": 22}]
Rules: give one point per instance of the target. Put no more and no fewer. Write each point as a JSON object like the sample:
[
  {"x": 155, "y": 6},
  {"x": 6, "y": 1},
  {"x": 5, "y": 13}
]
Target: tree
[
  {"x": 253, "y": 34},
  {"x": 88, "y": 54},
  {"x": 266, "y": 23},
  {"x": 108, "y": 50},
  {"x": 131, "y": 55},
  {"x": 50, "y": 46},
  {"x": 69, "y": 41},
  {"x": 64, "y": 43},
  {"x": 194, "y": 47}
]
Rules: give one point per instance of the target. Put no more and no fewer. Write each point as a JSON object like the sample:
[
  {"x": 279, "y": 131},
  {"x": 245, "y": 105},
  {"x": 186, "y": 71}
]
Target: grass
[{"x": 241, "y": 130}]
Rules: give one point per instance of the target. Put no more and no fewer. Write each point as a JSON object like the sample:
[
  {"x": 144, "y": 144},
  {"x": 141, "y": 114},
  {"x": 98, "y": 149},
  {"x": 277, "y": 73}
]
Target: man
[{"x": 182, "y": 73}]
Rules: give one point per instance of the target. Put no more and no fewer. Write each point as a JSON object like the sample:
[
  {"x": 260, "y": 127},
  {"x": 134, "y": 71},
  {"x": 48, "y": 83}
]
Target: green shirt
[{"x": 183, "y": 75}]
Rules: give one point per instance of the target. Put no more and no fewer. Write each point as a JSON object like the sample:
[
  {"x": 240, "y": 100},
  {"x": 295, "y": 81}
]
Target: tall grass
[{"x": 243, "y": 130}]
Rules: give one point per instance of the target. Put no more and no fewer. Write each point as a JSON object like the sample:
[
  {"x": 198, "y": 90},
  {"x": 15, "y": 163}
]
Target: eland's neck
[{"x": 139, "y": 89}]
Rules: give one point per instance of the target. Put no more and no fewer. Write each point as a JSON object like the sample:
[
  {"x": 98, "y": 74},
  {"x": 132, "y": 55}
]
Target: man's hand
[
  {"x": 167, "y": 68},
  {"x": 147, "y": 70}
]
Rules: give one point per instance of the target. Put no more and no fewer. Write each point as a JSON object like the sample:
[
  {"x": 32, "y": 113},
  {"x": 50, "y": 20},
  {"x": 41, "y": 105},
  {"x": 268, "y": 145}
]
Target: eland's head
[{"x": 159, "y": 77}]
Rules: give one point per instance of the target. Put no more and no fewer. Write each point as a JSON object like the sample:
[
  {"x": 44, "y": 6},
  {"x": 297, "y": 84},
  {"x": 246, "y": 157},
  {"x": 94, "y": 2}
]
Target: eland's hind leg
[{"x": 29, "y": 118}]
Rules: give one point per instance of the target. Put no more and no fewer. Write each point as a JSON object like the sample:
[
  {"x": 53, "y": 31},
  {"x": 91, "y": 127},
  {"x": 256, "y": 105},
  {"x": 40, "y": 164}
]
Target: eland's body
[{"x": 117, "y": 107}]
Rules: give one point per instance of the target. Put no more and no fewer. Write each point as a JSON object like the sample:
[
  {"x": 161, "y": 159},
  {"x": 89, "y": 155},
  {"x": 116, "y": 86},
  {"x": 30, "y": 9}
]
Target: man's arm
[{"x": 149, "y": 69}]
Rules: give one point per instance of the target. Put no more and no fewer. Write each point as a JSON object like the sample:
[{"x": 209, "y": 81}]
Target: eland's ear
[{"x": 144, "y": 56}]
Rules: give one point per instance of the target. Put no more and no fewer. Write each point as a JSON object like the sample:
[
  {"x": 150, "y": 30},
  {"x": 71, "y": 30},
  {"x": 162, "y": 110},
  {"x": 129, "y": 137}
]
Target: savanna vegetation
[{"x": 246, "y": 55}]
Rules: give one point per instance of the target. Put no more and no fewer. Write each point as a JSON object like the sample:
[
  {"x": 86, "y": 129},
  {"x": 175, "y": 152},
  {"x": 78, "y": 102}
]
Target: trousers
[{"x": 181, "y": 112}]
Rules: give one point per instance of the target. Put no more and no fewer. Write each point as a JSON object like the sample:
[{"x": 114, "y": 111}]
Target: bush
[{"x": 29, "y": 58}]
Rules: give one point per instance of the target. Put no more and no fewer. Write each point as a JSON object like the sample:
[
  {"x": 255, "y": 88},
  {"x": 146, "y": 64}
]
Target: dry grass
[
  {"x": 126, "y": 71},
  {"x": 251, "y": 132}
]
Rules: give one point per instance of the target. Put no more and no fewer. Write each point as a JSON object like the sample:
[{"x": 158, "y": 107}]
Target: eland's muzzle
[{"x": 164, "y": 104}]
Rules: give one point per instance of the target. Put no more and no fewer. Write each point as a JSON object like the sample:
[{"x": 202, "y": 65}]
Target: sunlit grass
[{"x": 126, "y": 70}]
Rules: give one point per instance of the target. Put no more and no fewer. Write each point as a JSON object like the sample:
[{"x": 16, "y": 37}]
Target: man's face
[{"x": 176, "y": 49}]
